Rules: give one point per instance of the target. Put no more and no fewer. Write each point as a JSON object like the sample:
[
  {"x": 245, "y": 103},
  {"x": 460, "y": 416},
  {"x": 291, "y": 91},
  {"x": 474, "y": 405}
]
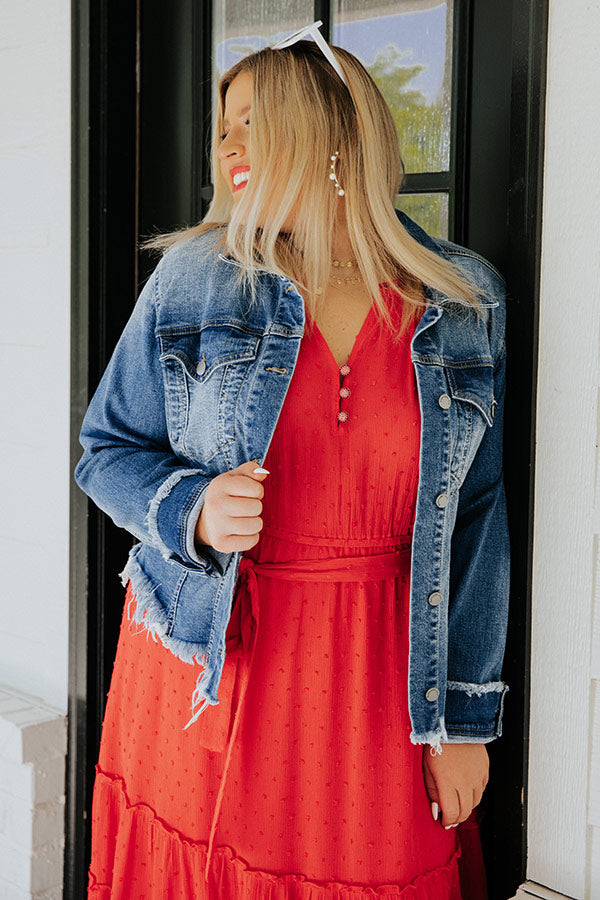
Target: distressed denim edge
[
  {"x": 434, "y": 738},
  {"x": 471, "y": 689},
  {"x": 152, "y": 616},
  {"x": 151, "y": 521}
]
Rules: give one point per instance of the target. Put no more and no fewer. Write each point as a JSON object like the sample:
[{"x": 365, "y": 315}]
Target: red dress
[{"x": 303, "y": 780}]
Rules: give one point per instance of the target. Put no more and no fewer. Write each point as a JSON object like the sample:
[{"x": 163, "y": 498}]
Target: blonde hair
[{"x": 302, "y": 113}]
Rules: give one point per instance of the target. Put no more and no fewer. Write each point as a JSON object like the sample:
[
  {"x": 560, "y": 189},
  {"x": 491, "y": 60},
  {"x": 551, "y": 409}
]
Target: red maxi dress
[{"x": 303, "y": 782}]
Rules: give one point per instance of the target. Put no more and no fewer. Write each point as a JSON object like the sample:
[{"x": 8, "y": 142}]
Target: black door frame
[{"x": 118, "y": 148}]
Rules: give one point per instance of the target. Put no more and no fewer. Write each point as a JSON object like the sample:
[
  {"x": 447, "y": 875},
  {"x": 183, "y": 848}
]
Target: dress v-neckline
[{"x": 357, "y": 340}]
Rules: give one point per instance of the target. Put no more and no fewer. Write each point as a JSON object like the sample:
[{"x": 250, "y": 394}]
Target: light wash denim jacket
[{"x": 195, "y": 387}]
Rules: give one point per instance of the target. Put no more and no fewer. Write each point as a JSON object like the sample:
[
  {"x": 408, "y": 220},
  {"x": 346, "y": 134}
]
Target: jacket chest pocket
[
  {"x": 204, "y": 369},
  {"x": 471, "y": 388}
]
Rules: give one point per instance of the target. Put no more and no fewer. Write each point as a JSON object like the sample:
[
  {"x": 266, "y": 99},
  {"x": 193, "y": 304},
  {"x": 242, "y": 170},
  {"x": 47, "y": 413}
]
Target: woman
[{"x": 347, "y": 605}]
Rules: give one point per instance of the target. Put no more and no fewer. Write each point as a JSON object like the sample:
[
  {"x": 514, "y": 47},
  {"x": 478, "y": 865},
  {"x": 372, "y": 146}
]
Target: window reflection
[
  {"x": 407, "y": 48},
  {"x": 240, "y": 28},
  {"x": 430, "y": 211}
]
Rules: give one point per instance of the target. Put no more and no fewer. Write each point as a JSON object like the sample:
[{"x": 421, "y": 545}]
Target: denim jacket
[{"x": 195, "y": 387}]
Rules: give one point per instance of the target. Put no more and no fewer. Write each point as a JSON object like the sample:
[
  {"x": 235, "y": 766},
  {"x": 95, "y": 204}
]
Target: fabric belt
[{"x": 217, "y": 731}]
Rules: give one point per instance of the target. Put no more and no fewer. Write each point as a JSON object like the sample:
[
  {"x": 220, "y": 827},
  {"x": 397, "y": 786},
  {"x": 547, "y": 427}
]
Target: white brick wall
[
  {"x": 35, "y": 173},
  {"x": 33, "y": 744}
]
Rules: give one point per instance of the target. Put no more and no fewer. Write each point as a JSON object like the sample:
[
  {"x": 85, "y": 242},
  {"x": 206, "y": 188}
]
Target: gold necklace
[{"x": 346, "y": 279}]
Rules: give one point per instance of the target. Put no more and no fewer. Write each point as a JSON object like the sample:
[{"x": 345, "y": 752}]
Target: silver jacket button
[
  {"x": 444, "y": 400},
  {"x": 432, "y": 694},
  {"x": 442, "y": 500},
  {"x": 435, "y": 599},
  {"x": 201, "y": 367}
]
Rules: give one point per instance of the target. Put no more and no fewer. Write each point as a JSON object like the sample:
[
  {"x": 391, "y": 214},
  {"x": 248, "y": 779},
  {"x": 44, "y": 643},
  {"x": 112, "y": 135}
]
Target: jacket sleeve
[
  {"x": 128, "y": 467},
  {"x": 479, "y": 585}
]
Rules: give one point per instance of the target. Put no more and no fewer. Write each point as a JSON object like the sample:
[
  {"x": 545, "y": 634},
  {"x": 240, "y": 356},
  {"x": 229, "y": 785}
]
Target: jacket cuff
[
  {"x": 474, "y": 712},
  {"x": 172, "y": 517}
]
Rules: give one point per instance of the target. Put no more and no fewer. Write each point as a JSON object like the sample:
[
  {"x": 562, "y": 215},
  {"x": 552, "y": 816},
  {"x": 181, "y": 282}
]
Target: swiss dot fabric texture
[{"x": 324, "y": 795}]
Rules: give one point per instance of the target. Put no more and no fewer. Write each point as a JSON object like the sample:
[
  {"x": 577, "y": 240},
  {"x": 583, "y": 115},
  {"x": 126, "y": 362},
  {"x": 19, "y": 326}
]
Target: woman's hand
[
  {"x": 456, "y": 779},
  {"x": 230, "y": 517}
]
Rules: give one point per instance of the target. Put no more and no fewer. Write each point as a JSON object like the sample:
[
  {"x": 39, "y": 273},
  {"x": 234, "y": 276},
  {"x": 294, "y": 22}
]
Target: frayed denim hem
[
  {"x": 151, "y": 521},
  {"x": 151, "y": 615},
  {"x": 435, "y": 738},
  {"x": 477, "y": 690}
]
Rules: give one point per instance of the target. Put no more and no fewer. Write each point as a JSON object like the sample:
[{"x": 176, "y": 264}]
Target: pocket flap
[
  {"x": 202, "y": 350},
  {"x": 475, "y": 384}
]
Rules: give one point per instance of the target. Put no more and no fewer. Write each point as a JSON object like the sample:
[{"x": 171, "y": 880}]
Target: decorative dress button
[
  {"x": 344, "y": 392},
  {"x": 442, "y": 500},
  {"x": 432, "y": 694},
  {"x": 201, "y": 367},
  {"x": 342, "y": 416},
  {"x": 435, "y": 599},
  {"x": 444, "y": 400},
  {"x": 345, "y": 369}
]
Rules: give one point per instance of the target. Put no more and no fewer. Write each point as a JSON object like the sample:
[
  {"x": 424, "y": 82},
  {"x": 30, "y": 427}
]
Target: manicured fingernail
[
  {"x": 434, "y": 810},
  {"x": 260, "y": 471},
  {"x": 450, "y": 826}
]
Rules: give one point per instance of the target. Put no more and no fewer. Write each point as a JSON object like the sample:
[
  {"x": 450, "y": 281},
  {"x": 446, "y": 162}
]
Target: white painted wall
[
  {"x": 35, "y": 61},
  {"x": 564, "y": 760},
  {"x": 35, "y": 50}
]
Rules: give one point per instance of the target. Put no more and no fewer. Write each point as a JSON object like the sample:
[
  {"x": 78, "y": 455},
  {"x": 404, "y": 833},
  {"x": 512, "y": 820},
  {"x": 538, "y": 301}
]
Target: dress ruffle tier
[{"x": 146, "y": 845}]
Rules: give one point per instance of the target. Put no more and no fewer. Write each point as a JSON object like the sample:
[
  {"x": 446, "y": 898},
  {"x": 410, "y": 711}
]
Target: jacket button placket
[{"x": 435, "y": 598}]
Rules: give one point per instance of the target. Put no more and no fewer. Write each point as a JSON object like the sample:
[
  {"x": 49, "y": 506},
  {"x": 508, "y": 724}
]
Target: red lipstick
[{"x": 235, "y": 171}]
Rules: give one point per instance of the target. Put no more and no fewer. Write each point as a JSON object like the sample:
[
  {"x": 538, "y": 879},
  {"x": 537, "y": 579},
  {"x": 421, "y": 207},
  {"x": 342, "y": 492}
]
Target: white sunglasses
[{"x": 313, "y": 31}]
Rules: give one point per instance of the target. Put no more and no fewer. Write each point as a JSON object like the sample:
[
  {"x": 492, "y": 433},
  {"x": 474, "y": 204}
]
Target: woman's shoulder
[
  {"x": 195, "y": 250},
  {"x": 481, "y": 270},
  {"x": 477, "y": 266},
  {"x": 189, "y": 264}
]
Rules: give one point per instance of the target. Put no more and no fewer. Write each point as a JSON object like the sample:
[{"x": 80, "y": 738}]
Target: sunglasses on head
[{"x": 312, "y": 31}]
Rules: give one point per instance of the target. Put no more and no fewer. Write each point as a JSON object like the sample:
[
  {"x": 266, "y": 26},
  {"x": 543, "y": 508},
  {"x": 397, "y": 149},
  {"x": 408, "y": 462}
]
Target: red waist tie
[{"x": 242, "y": 631}]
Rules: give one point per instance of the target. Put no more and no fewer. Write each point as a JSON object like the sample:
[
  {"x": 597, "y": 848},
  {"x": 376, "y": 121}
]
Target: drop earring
[{"x": 333, "y": 176}]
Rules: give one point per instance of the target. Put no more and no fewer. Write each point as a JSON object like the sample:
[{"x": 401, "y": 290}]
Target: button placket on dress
[{"x": 345, "y": 392}]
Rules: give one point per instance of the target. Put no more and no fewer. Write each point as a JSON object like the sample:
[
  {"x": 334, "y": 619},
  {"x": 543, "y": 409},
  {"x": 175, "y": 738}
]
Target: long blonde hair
[{"x": 302, "y": 113}]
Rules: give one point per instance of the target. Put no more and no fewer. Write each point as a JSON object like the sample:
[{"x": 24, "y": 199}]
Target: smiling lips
[{"x": 239, "y": 175}]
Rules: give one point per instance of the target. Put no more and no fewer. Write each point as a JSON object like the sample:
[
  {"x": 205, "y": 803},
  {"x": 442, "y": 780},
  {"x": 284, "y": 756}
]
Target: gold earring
[{"x": 333, "y": 176}]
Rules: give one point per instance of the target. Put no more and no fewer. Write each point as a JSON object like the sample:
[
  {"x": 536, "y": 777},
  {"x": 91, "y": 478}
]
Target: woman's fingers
[
  {"x": 245, "y": 526},
  {"x": 242, "y": 486},
  {"x": 241, "y": 506},
  {"x": 449, "y": 804},
  {"x": 460, "y": 774},
  {"x": 237, "y": 544},
  {"x": 230, "y": 519}
]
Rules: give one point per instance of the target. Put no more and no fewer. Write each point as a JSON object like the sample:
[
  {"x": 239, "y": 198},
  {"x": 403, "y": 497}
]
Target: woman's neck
[{"x": 341, "y": 247}]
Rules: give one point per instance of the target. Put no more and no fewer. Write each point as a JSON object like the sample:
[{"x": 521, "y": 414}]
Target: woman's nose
[{"x": 231, "y": 147}]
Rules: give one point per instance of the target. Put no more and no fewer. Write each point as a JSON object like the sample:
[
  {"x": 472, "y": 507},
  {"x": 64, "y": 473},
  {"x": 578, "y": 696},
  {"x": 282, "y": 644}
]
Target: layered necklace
[{"x": 353, "y": 278}]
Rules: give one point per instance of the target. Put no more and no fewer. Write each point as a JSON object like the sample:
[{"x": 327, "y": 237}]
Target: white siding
[
  {"x": 34, "y": 356},
  {"x": 564, "y": 760},
  {"x": 35, "y": 61}
]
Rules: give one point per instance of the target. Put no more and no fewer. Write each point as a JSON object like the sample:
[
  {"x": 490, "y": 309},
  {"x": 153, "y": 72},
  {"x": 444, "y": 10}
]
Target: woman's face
[{"x": 234, "y": 150}]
